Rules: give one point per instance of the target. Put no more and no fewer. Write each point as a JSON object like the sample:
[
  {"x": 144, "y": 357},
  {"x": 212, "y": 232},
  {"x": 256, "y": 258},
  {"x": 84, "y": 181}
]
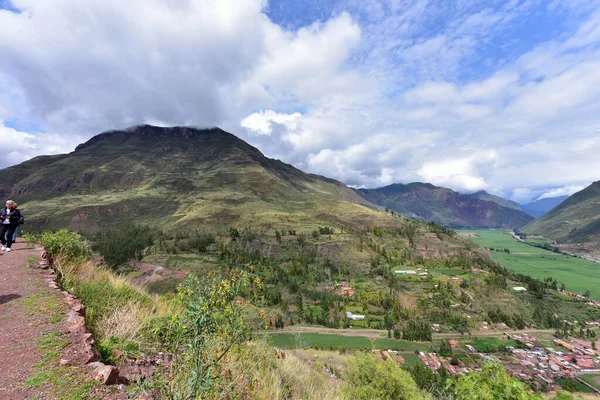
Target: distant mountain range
[
  {"x": 575, "y": 220},
  {"x": 540, "y": 207},
  {"x": 483, "y": 195},
  {"x": 209, "y": 178},
  {"x": 447, "y": 207}
]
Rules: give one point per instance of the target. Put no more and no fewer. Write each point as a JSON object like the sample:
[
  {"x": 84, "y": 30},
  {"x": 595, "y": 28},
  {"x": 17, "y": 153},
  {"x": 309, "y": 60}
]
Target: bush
[
  {"x": 66, "y": 245},
  {"x": 371, "y": 379},
  {"x": 492, "y": 383},
  {"x": 126, "y": 242}
]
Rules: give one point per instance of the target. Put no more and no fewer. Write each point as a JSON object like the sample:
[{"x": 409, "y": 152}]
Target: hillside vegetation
[
  {"x": 447, "y": 207},
  {"x": 576, "y": 220},
  {"x": 205, "y": 331}
]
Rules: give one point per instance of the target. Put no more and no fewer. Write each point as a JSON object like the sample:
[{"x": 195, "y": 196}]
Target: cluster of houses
[{"x": 543, "y": 366}]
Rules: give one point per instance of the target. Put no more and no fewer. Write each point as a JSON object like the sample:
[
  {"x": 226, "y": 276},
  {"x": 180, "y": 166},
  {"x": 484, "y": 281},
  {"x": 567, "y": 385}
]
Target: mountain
[
  {"x": 177, "y": 177},
  {"x": 483, "y": 195},
  {"x": 540, "y": 207},
  {"x": 575, "y": 220},
  {"x": 445, "y": 206}
]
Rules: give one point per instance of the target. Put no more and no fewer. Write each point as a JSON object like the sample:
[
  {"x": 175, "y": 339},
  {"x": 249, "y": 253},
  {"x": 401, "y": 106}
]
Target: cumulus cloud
[
  {"x": 23, "y": 146},
  {"x": 462, "y": 174},
  {"x": 262, "y": 122},
  {"x": 562, "y": 191},
  {"x": 370, "y": 92}
]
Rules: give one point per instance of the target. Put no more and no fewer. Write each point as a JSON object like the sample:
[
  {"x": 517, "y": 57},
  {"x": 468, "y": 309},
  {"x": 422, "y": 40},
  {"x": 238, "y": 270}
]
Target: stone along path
[{"x": 40, "y": 358}]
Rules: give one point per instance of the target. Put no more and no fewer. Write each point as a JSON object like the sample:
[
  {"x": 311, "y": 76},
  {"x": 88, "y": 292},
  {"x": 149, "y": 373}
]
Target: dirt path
[
  {"x": 18, "y": 331},
  {"x": 39, "y": 357}
]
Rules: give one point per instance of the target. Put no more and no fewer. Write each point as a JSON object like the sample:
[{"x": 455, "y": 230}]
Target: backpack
[{"x": 21, "y": 220}]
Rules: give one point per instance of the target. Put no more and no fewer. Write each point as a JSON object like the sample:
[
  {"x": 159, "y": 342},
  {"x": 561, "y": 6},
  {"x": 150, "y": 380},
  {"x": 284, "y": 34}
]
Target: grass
[
  {"x": 410, "y": 359},
  {"x": 304, "y": 340},
  {"x": 591, "y": 379},
  {"x": 58, "y": 381},
  {"x": 327, "y": 341},
  {"x": 580, "y": 387},
  {"x": 43, "y": 304},
  {"x": 577, "y": 274},
  {"x": 487, "y": 345}
]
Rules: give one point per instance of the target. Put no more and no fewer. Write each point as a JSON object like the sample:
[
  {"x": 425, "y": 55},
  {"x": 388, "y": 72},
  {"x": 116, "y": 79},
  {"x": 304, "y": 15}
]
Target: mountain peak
[{"x": 158, "y": 132}]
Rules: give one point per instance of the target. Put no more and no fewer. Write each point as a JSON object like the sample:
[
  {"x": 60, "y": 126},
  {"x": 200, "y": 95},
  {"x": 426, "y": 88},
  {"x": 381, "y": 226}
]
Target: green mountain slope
[
  {"x": 444, "y": 206},
  {"x": 483, "y": 195},
  {"x": 175, "y": 177},
  {"x": 575, "y": 220}
]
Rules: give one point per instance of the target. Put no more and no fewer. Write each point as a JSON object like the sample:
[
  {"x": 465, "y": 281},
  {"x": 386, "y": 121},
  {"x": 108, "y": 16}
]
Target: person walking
[{"x": 9, "y": 221}]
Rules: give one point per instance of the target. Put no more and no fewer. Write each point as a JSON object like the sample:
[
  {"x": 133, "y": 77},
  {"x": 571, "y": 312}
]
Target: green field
[
  {"x": 304, "y": 340},
  {"x": 410, "y": 359},
  {"x": 579, "y": 387},
  {"x": 591, "y": 379},
  {"x": 577, "y": 274},
  {"x": 490, "y": 345}
]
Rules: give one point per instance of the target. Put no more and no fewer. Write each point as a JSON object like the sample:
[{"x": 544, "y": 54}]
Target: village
[{"x": 544, "y": 368}]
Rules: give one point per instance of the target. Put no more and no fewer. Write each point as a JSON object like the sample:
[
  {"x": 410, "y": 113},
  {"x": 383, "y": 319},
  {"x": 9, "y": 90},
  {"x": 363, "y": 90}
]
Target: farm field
[
  {"x": 302, "y": 340},
  {"x": 591, "y": 379},
  {"x": 577, "y": 274},
  {"x": 489, "y": 345}
]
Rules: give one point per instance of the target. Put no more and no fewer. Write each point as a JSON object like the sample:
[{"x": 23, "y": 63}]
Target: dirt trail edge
[{"x": 41, "y": 357}]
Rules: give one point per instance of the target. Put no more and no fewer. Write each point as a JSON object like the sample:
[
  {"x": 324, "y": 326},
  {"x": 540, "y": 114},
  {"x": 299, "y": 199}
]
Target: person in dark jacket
[{"x": 9, "y": 221}]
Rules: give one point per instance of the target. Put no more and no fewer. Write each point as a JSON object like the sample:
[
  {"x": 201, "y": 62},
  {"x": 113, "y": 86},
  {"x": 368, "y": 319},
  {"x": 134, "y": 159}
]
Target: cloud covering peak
[{"x": 501, "y": 96}]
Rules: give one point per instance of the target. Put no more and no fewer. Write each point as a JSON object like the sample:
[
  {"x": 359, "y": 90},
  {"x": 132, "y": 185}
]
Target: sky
[{"x": 502, "y": 96}]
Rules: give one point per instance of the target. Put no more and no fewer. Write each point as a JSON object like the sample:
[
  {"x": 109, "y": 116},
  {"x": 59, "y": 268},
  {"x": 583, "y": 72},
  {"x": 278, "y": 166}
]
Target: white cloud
[
  {"x": 22, "y": 146},
  {"x": 562, "y": 191},
  {"x": 373, "y": 93},
  {"x": 463, "y": 174},
  {"x": 262, "y": 122}
]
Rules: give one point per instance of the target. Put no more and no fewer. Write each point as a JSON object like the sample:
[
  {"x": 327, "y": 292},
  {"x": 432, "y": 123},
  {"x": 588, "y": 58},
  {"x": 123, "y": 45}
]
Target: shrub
[
  {"x": 123, "y": 243},
  {"x": 66, "y": 245},
  {"x": 368, "y": 378},
  {"x": 207, "y": 324},
  {"x": 493, "y": 382}
]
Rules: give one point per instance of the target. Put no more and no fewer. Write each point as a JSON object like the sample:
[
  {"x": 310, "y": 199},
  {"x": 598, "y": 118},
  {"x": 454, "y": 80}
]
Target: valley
[
  {"x": 298, "y": 262},
  {"x": 577, "y": 274}
]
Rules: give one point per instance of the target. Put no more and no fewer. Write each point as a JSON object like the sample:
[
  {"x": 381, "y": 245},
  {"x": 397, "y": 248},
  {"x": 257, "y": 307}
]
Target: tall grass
[{"x": 115, "y": 307}]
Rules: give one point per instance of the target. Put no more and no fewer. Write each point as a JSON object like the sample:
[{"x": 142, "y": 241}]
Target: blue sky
[{"x": 494, "y": 95}]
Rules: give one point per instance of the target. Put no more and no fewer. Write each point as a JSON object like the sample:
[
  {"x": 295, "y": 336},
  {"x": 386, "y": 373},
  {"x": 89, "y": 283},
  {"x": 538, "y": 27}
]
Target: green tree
[
  {"x": 493, "y": 382},
  {"x": 445, "y": 348},
  {"x": 368, "y": 378},
  {"x": 278, "y": 236}
]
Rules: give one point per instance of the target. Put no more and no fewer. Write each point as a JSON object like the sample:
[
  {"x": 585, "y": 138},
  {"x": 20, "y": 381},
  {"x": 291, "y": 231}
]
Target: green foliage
[
  {"x": 65, "y": 244},
  {"x": 123, "y": 243},
  {"x": 563, "y": 395},
  {"x": 493, "y": 382},
  {"x": 418, "y": 330},
  {"x": 107, "y": 346},
  {"x": 206, "y": 326},
  {"x": 368, "y": 379},
  {"x": 163, "y": 286},
  {"x": 445, "y": 348}
]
